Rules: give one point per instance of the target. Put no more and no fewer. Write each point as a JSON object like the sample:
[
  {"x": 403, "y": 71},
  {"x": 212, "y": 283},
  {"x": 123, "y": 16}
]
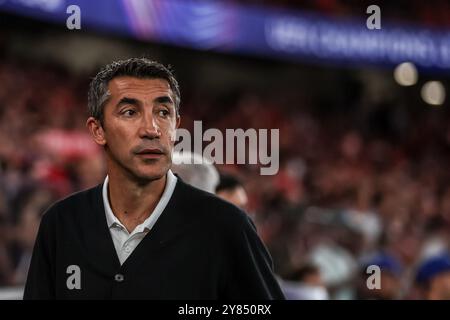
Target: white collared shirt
[{"x": 126, "y": 242}]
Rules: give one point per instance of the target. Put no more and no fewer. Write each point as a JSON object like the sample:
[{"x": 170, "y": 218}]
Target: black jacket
[{"x": 201, "y": 247}]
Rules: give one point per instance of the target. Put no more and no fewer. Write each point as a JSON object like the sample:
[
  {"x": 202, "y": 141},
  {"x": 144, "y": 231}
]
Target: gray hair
[
  {"x": 142, "y": 68},
  {"x": 196, "y": 170}
]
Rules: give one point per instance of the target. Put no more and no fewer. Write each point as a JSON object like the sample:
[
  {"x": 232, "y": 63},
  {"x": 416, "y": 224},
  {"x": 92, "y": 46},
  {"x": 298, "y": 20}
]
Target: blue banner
[{"x": 225, "y": 27}]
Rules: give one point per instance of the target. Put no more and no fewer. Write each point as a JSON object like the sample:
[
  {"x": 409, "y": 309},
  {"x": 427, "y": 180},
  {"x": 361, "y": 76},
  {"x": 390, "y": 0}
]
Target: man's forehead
[{"x": 127, "y": 84}]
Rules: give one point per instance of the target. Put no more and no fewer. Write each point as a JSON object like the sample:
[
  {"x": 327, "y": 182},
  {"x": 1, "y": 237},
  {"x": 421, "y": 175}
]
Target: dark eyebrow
[
  {"x": 164, "y": 100},
  {"x": 127, "y": 100}
]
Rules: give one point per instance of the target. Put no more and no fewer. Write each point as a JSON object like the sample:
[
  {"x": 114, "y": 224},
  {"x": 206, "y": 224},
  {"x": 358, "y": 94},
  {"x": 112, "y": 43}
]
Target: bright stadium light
[
  {"x": 433, "y": 92},
  {"x": 406, "y": 74}
]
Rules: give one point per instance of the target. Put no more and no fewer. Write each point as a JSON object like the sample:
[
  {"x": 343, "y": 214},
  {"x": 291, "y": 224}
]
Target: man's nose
[{"x": 149, "y": 127}]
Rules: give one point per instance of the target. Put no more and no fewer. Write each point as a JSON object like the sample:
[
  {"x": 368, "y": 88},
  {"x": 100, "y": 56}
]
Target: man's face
[{"x": 139, "y": 127}]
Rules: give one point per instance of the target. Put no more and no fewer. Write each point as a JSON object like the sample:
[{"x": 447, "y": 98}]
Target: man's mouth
[{"x": 150, "y": 153}]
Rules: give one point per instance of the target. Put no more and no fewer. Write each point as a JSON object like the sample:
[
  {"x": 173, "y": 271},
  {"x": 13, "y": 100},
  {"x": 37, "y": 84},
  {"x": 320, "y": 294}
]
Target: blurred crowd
[{"x": 355, "y": 188}]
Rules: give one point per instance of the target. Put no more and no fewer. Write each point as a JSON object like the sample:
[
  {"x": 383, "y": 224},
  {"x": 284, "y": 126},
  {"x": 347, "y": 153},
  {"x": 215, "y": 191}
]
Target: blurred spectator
[
  {"x": 433, "y": 277},
  {"x": 390, "y": 281},
  {"x": 195, "y": 170},
  {"x": 231, "y": 189},
  {"x": 305, "y": 283}
]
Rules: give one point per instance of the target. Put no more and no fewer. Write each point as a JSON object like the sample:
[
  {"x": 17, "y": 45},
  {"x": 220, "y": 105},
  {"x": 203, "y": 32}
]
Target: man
[
  {"x": 195, "y": 170},
  {"x": 305, "y": 283},
  {"x": 232, "y": 190},
  {"x": 433, "y": 277},
  {"x": 144, "y": 233},
  {"x": 390, "y": 278}
]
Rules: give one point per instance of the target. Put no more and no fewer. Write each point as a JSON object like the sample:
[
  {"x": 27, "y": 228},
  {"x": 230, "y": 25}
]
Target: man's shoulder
[
  {"x": 81, "y": 201},
  {"x": 208, "y": 206}
]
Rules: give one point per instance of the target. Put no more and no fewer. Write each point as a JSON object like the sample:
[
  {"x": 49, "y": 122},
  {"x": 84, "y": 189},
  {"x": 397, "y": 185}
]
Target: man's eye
[
  {"x": 164, "y": 113},
  {"x": 128, "y": 112}
]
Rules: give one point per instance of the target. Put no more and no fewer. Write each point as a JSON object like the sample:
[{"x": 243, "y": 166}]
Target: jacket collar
[
  {"x": 175, "y": 219},
  {"x": 111, "y": 218}
]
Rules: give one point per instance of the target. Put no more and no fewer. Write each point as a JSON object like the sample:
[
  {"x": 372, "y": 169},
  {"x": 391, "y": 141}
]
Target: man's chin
[
  {"x": 148, "y": 177},
  {"x": 145, "y": 176}
]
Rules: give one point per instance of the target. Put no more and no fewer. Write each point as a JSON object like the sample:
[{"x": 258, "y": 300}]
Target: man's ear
[
  {"x": 178, "y": 121},
  {"x": 173, "y": 137},
  {"x": 96, "y": 130}
]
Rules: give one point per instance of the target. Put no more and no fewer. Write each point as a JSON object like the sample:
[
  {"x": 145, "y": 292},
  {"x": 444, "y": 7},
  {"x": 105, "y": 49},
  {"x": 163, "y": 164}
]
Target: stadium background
[{"x": 363, "y": 160}]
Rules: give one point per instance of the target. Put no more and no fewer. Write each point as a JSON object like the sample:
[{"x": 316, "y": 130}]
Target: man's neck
[{"x": 132, "y": 202}]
